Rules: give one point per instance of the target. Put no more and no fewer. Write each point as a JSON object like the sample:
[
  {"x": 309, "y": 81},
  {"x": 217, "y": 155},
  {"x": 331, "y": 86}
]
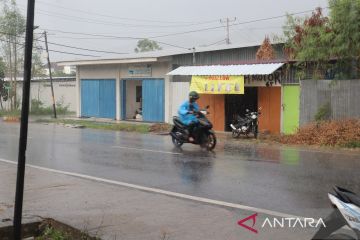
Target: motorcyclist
[{"x": 186, "y": 113}]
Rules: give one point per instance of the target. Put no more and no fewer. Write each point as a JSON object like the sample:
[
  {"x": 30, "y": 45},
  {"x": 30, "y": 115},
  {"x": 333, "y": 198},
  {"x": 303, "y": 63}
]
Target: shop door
[
  {"x": 90, "y": 98},
  {"x": 236, "y": 104},
  {"x": 216, "y": 102},
  {"x": 269, "y": 99},
  {"x": 98, "y": 98},
  {"x": 153, "y": 105},
  {"x": 291, "y": 108},
  {"x": 107, "y": 99}
]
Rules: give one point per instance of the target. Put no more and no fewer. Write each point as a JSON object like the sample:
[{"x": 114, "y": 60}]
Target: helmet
[{"x": 194, "y": 95}]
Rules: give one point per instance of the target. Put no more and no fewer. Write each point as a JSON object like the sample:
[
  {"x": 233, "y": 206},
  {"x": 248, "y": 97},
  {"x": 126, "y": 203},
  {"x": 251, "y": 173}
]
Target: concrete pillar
[{"x": 78, "y": 91}]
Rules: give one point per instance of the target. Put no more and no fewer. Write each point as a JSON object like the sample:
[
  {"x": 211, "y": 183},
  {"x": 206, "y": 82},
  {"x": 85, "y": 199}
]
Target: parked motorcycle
[
  {"x": 203, "y": 134},
  {"x": 346, "y": 212},
  {"x": 245, "y": 126}
]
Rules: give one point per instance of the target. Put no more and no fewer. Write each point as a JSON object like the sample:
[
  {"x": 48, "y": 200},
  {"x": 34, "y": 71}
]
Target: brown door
[
  {"x": 269, "y": 99},
  {"x": 216, "y": 103}
]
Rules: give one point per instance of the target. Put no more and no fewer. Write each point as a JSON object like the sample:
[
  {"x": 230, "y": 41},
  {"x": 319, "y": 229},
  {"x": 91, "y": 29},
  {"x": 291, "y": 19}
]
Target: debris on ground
[
  {"x": 160, "y": 128},
  {"x": 342, "y": 133}
]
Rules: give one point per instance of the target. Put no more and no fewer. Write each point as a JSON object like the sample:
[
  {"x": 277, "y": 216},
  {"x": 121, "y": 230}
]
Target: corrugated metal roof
[
  {"x": 156, "y": 54},
  {"x": 227, "y": 70}
]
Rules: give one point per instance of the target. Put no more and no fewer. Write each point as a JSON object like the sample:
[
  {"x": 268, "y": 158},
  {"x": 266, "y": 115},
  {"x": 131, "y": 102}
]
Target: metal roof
[
  {"x": 153, "y": 56},
  {"x": 228, "y": 70}
]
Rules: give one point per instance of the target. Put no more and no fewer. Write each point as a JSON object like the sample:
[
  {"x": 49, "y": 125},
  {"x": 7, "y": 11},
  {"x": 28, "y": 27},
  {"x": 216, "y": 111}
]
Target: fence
[{"x": 342, "y": 97}]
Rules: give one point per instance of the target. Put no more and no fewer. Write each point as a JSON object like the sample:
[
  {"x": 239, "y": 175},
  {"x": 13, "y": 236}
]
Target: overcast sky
[{"x": 145, "y": 18}]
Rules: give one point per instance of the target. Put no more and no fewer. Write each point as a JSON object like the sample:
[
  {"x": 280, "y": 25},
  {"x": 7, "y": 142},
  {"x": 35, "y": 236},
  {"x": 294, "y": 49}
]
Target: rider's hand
[{"x": 190, "y": 112}]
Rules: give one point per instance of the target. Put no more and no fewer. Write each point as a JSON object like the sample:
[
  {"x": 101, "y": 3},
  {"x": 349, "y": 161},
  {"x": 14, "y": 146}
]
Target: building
[
  {"x": 118, "y": 88},
  {"x": 64, "y": 91},
  {"x": 69, "y": 70}
]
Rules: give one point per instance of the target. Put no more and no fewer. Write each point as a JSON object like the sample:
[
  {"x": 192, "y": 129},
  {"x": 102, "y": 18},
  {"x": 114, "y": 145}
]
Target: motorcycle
[
  {"x": 203, "y": 134},
  {"x": 346, "y": 212},
  {"x": 248, "y": 124}
]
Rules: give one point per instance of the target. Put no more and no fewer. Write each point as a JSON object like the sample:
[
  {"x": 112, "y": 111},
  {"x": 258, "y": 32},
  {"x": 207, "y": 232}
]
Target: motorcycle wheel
[
  {"x": 340, "y": 236},
  {"x": 255, "y": 131},
  {"x": 235, "y": 134},
  {"x": 210, "y": 142},
  {"x": 177, "y": 143}
]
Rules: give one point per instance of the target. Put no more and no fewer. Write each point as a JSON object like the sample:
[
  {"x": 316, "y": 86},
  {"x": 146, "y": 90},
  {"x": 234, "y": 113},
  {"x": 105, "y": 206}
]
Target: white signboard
[{"x": 140, "y": 71}]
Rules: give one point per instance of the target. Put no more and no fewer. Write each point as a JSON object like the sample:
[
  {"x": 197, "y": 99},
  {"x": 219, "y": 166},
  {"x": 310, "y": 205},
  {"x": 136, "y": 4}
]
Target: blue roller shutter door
[
  {"x": 90, "y": 98},
  {"x": 98, "y": 98},
  {"x": 107, "y": 103},
  {"x": 153, "y": 94}
]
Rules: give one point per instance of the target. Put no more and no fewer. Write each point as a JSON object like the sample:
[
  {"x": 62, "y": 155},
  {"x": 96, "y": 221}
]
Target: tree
[
  {"x": 345, "y": 23},
  {"x": 309, "y": 42},
  {"x": 12, "y": 25},
  {"x": 3, "y": 90},
  {"x": 327, "y": 43},
  {"x": 146, "y": 45},
  {"x": 266, "y": 51}
]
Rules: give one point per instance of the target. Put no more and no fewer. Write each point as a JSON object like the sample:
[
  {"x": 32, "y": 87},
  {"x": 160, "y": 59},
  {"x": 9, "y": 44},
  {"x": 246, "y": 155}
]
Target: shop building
[{"x": 121, "y": 88}]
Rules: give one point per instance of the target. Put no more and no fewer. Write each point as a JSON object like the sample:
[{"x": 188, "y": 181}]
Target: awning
[{"x": 227, "y": 70}]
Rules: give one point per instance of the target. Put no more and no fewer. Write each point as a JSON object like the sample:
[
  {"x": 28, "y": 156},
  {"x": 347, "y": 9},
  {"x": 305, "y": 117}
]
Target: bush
[
  {"x": 324, "y": 113},
  {"x": 37, "y": 108},
  {"x": 345, "y": 133}
]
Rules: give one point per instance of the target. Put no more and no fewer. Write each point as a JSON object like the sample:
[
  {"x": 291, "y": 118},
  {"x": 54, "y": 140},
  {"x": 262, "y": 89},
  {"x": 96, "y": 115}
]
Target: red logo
[{"x": 253, "y": 218}]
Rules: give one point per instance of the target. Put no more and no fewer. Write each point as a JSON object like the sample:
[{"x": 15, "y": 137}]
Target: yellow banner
[{"x": 217, "y": 84}]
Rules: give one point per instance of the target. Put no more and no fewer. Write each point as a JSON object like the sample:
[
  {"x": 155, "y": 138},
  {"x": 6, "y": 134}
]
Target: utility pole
[
  {"x": 51, "y": 80},
  {"x": 194, "y": 56},
  {"x": 227, "y": 21},
  {"x": 20, "y": 178}
]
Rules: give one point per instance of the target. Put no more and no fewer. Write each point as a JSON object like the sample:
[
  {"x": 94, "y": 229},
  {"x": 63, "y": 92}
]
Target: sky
[{"x": 77, "y": 23}]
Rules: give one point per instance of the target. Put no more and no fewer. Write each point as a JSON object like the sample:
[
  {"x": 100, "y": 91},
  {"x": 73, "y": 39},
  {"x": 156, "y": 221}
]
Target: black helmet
[{"x": 194, "y": 95}]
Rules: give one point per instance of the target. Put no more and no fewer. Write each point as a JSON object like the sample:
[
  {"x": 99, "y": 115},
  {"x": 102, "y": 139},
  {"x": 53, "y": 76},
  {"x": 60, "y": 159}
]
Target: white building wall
[
  {"x": 179, "y": 93},
  {"x": 64, "y": 91},
  {"x": 121, "y": 71}
]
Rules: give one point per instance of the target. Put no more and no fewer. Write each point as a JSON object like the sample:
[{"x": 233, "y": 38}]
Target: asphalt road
[{"x": 287, "y": 180}]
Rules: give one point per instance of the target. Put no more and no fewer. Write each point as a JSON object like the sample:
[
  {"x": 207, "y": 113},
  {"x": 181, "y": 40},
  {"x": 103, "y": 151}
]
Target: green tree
[
  {"x": 309, "y": 41},
  {"x": 345, "y": 24},
  {"x": 146, "y": 45},
  {"x": 316, "y": 41},
  {"x": 12, "y": 25},
  {"x": 3, "y": 91}
]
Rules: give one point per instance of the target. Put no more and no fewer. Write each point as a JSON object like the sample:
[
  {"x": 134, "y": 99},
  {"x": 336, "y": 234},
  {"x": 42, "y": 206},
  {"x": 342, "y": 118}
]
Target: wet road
[{"x": 286, "y": 180}]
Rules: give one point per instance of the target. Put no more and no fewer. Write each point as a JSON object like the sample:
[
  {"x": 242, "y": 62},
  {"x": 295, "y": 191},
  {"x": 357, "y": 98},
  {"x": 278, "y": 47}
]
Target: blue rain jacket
[{"x": 185, "y": 117}]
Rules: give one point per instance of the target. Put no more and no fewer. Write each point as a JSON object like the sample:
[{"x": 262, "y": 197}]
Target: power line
[
  {"x": 181, "y": 33},
  {"x": 51, "y": 50},
  {"x": 124, "y": 18},
  {"x": 108, "y": 23},
  {"x": 79, "y": 48},
  {"x": 114, "y": 37},
  {"x": 212, "y": 44}
]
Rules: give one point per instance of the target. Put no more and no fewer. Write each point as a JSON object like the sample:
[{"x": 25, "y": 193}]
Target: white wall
[
  {"x": 64, "y": 91},
  {"x": 180, "y": 93}
]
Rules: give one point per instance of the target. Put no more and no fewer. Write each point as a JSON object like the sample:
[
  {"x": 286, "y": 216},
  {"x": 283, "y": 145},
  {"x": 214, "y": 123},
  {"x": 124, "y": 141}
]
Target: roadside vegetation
[
  {"x": 335, "y": 133},
  {"x": 38, "y": 109},
  {"x": 52, "y": 230}
]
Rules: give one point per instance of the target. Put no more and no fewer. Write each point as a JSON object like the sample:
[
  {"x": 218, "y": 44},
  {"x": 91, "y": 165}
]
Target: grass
[
  {"x": 12, "y": 113},
  {"x": 53, "y": 234},
  {"x": 127, "y": 127}
]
